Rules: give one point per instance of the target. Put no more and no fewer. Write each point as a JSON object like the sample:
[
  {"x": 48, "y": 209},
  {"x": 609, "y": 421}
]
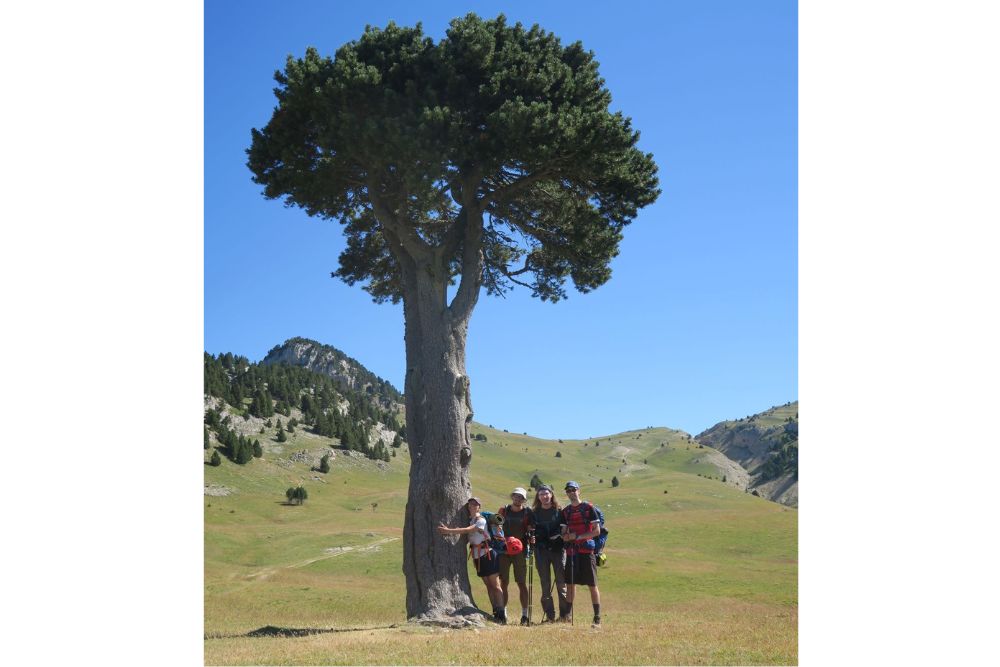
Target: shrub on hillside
[
  {"x": 324, "y": 464},
  {"x": 614, "y": 481},
  {"x": 558, "y": 455},
  {"x": 296, "y": 495},
  {"x": 216, "y": 459}
]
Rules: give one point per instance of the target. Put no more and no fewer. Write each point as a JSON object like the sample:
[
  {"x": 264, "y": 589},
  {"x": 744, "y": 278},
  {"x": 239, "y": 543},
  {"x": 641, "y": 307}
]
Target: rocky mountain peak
[{"x": 328, "y": 360}]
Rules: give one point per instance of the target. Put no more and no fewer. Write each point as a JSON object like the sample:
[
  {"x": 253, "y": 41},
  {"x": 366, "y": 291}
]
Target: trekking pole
[
  {"x": 530, "y": 577},
  {"x": 572, "y": 577}
]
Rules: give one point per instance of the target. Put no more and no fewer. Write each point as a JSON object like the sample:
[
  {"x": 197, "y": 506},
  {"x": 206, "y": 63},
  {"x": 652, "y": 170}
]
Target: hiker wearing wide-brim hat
[
  {"x": 548, "y": 552},
  {"x": 581, "y": 527},
  {"x": 517, "y": 522},
  {"x": 485, "y": 559}
]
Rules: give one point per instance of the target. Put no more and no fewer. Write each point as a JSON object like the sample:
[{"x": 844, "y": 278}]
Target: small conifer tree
[
  {"x": 324, "y": 464},
  {"x": 614, "y": 481},
  {"x": 216, "y": 459},
  {"x": 281, "y": 435},
  {"x": 258, "y": 451}
]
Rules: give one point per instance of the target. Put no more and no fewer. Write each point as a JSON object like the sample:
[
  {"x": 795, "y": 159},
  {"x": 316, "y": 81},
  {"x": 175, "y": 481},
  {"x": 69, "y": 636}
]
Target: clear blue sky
[{"x": 699, "y": 321}]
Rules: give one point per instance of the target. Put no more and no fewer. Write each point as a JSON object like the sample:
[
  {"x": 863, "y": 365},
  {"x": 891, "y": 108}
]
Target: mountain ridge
[{"x": 766, "y": 445}]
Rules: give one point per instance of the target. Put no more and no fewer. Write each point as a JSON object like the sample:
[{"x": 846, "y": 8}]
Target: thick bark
[{"x": 438, "y": 413}]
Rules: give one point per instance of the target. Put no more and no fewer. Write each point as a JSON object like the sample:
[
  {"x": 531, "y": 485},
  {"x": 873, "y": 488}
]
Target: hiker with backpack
[
  {"x": 517, "y": 522},
  {"x": 484, "y": 555},
  {"x": 550, "y": 558},
  {"x": 580, "y": 530}
]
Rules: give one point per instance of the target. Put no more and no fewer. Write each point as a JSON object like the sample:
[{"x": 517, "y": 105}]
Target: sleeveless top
[{"x": 477, "y": 538}]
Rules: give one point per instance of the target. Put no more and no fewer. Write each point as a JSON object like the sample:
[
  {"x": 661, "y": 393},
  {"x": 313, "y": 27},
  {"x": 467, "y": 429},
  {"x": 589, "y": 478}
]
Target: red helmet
[{"x": 514, "y": 546}]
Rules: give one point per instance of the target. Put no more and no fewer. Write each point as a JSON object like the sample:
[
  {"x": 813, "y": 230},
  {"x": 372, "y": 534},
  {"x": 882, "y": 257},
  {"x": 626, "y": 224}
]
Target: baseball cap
[
  {"x": 572, "y": 485},
  {"x": 520, "y": 491}
]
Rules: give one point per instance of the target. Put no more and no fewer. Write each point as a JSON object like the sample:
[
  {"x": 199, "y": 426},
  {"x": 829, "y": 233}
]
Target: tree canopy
[{"x": 405, "y": 141}]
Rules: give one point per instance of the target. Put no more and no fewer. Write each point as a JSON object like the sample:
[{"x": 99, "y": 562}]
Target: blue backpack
[{"x": 603, "y": 537}]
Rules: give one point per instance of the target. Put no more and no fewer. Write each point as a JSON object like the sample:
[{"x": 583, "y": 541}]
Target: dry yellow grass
[{"x": 708, "y": 632}]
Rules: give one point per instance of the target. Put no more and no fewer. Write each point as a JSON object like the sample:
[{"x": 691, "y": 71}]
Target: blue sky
[{"x": 699, "y": 321}]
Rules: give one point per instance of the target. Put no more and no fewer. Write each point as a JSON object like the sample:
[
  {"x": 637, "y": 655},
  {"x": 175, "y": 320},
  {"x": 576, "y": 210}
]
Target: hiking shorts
[
  {"x": 520, "y": 568},
  {"x": 581, "y": 569},
  {"x": 487, "y": 564}
]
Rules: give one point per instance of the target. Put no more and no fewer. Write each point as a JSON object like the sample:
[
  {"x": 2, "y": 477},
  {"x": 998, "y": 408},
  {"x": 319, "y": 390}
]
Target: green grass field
[{"x": 698, "y": 573}]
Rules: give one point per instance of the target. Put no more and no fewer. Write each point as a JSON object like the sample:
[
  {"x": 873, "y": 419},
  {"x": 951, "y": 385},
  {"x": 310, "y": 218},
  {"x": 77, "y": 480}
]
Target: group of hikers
[{"x": 561, "y": 541}]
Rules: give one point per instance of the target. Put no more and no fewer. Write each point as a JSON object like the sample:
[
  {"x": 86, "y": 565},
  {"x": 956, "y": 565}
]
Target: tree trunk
[{"x": 438, "y": 412}]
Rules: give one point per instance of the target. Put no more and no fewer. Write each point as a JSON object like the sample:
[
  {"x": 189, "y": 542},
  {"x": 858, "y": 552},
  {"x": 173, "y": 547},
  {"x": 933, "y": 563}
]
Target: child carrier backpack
[{"x": 494, "y": 532}]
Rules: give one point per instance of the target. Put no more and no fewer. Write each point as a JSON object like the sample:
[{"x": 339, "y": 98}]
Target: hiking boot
[
  {"x": 597, "y": 622},
  {"x": 502, "y": 617},
  {"x": 547, "y": 619},
  {"x": 524, "y": 620}
]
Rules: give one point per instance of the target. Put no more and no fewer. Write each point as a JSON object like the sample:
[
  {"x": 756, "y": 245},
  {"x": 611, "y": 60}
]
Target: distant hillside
[
  {"x": 767, "y": 446},
  {"x": 246, "y": 401},
  {"x": 329, "y": 361}
]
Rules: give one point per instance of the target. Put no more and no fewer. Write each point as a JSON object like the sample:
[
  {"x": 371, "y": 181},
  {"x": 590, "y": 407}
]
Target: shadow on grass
[
  {"x": 456, "y": 619},
  {"x": 274, "y": 631}
]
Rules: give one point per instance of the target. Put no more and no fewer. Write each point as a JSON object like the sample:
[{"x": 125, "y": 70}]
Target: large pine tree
[{"x": 489, "y": 159}]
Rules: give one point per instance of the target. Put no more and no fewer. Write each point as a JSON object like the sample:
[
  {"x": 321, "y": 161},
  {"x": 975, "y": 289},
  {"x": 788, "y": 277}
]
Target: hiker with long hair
[
  {"x": 581, "y": 527},
  {"x": 550, "y": 558},
  {"x": 517, "y": 522},
  {"x": 485, "y": 558}
]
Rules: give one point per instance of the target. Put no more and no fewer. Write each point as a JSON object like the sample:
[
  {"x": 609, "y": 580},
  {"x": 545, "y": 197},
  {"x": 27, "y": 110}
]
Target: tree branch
[
  {"x": 505, "y": 193},
  {"x": 472, "y": 251},
  {"x": 405, "y": 235},
  {"x": 510, "y": 275}
]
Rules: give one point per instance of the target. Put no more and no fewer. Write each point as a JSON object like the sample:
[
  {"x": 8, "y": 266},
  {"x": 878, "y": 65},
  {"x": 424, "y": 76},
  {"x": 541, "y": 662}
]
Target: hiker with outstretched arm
[
  {"x": 485, "y": 558},
  {"x": 549, "y": 555},
  {"x": 581, "y": 527},
  {"x": 517, "y": 522}
]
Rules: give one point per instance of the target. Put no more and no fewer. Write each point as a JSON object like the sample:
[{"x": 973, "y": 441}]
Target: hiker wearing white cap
[{"x": 517, "y": 521}]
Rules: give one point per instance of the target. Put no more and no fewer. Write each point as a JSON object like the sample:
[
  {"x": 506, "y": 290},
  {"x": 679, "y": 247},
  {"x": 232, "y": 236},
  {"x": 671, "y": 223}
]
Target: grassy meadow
[{"x": 698, "y": 571}]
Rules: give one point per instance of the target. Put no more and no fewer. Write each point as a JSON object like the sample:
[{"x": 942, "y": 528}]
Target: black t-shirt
[
  {"x": 546, "y": 526},
  {"x": 515, "y": 523}
]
